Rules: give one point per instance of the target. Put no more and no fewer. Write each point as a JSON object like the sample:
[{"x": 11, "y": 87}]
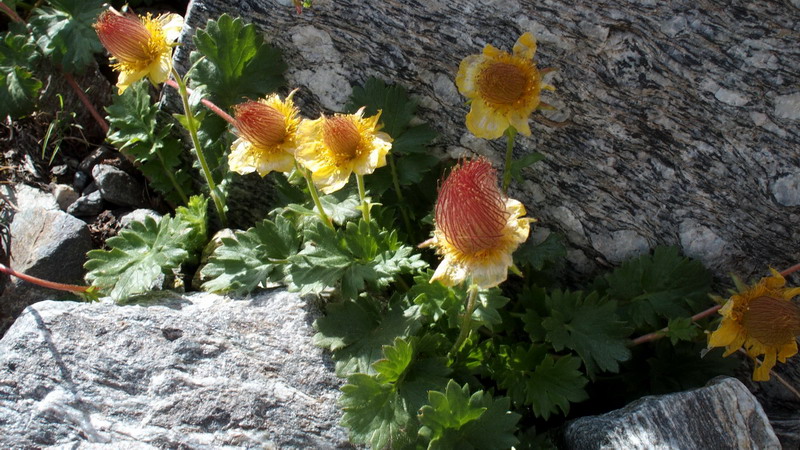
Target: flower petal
[
  {"x": 449, "y": 274},
  {"x": 525, "y": 46},
  {"x": 484, "y": 122},
  {"x": 172, "y": 24},
  {"x": 727, "y": 332},
  {"x": 761, "y": 372},
  {"x": 467, "y": 77},
  {"x": 127, "y": 78}
]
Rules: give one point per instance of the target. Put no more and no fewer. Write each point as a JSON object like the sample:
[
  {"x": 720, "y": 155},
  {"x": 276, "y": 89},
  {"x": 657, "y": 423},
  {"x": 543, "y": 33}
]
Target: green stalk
[
  {"x": 190, "y": 126},
  {"x": 400, "y": 200},
  {"x": 172, "y": 178},
  {"x": 510, "y": 133},
  {"x": 363, "y": 196},
  {"x": 466, "y": 321},
  {"x": 314, "y": 195}
]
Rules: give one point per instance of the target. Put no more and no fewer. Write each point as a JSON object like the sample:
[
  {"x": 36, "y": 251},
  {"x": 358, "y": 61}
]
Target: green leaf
[
  {"x": 456, "y": 419},
  {"x": 362, "y": 255},
  {"x": 380, "y": 409},
  {"x": 193, "y": 216},
  {"x": 356, "y": 330},
  {"x": 238, "y": 64},
  {"x": 396, "y": 108},
  {"x": 533, "y": 377},
  {"x": 375, "y": 414},
  {"x": 18, "y": 51},
  {"x": 550, "y": 250},
  {"x": 518, "y": 164},
  {"x": 251, "y": 257},
  {"x": 134, "y": 128},
  {"x": 138, "y": 256},
  {"x": 18, "y": 92},
  {"x": 589, "y": 326},
  {"x": 654, "y": 288},
  {"x": 65, "y": 33},
  {"x": 682, "y": 329},
  {"x": 439, "y": 301}
]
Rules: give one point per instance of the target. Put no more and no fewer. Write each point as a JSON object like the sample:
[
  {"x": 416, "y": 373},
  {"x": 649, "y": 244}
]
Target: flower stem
[
  {"x": 363, "y": 196},
  {"x": 208, "y": 104},
  {"x": 86, "y": 103},
  {"x": 314, "y": 195},
  {"x": 510, "y": 133},
  {"x": 192, "y": 128},
  {"x": 466, "y": 321},
  {"x": 11, "y": 13},
  {"x": 785, "y": 383},
  {"x": 43, "y": 283},
  {"x": 400, "y": 200},
  {"x": 701, "y": 315}
]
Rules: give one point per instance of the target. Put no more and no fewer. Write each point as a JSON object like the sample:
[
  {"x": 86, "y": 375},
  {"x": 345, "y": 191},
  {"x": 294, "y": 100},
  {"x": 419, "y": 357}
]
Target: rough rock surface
[
  {"x": 681, "y": 117},
  {"x": 116, "y": 186},
  {"x": 49, "y": 244},
  {"x": 200, "y": 371},
  {"x": 722, "y": 415},
  {"x": 781, "y": 405}
]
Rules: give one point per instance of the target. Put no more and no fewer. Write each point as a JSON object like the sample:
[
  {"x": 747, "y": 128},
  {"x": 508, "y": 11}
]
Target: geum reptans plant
[
  {"x": 267, "y": 131},
  {"x": 763, "y": 320},
  {"x": 503, "y": 89},
  {"x": 477, "y": 227},
  {"x": 140, "y": 46}
]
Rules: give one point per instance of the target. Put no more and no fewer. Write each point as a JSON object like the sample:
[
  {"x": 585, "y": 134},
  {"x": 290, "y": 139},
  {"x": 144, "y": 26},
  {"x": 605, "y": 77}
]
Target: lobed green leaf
[
  {"x": 65, "y": 34},
  {"x": 236, "y": 63}
]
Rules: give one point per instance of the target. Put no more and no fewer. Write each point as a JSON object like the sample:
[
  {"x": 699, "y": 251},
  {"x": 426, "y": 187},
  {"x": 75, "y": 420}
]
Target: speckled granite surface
[{"x": 682, "y": 116}]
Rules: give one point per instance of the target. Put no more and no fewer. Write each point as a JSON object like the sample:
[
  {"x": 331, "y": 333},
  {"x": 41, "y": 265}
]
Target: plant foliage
[{"x": 141, "y": 254}]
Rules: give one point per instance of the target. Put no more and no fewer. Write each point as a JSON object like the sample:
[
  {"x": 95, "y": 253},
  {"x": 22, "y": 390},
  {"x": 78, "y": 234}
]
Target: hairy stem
[
  {"x": 362, "y": 194},
  {"x": 314, "y": 195},
  {"x": 11, "y": 13},
  {"x": 43, "y": 283},
  {"x": 466, "y": 321},
  {"x": 400, "y": 200},
  {"x": 192, "y": 128},
  {"x": 208, "y": 104},
  {"x": 510, "y": 133},
  {"x": 701, "y": 315},
  {"x": 86, "y": 103}
]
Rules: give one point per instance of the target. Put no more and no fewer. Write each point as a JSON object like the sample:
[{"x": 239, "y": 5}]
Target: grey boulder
[
  {"x": 722, "y": 415},
  {"x": 200, "y": 371}
]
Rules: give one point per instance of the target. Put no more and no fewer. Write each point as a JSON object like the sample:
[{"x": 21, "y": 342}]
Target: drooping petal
[
  {"x": 126, "y": 79},
  {"x": 525, "y": 46},
  {"x": 467, "y": 75},
  {"x": 172, "y": 24},
  {"x": 484, "y": 123}
]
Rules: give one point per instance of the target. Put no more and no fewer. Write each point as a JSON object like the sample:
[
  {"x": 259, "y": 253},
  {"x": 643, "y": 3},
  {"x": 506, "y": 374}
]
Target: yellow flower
[
  {"x": 477, "y": 227},
  {"x": 334, "y": 147},
  {"x": 762, "y": 319},
  {"x": 503, "y": 89},
  {"x": 141, "y": 46},
  {"x": 267, "y": 132}
]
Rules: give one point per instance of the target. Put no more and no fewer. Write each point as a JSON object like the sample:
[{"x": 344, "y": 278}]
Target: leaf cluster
[
  {"x": 65, "y": 34},
  {"x": 138, "y": 129},
  {"x": 142, "y": 255},
  {"x": 19, "y": 88}
]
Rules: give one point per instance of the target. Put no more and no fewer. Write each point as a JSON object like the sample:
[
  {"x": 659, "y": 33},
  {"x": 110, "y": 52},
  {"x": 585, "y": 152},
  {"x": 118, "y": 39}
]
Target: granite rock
[
  {"x": 675, "y": 113},
  {"x": 48, "y": 244},
  {"x": 722, "y": 415},
  {"x": 194, "y": 372}
]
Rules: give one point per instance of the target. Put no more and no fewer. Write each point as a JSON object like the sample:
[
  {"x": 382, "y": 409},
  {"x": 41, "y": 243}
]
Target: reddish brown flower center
[
  {"x": 502, "y": 83},
  {"x": 124, "y": 36},
  {"x": 261, "y": 124},
  {"x": 341, "y": 136},
  {"x": 772, "y": 321},
  {"x": 470, "y": 210}
]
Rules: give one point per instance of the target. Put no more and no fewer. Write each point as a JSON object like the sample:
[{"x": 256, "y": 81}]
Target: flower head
[
  {"x": 477, "y": 227},
  {"x": 503, "y": 88},
  {"x": 141, "y": 46},
  {"x": 762, "y": 319},
  {"x": 267, "y": 131},
  {"x": 334, "y": 147}
]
